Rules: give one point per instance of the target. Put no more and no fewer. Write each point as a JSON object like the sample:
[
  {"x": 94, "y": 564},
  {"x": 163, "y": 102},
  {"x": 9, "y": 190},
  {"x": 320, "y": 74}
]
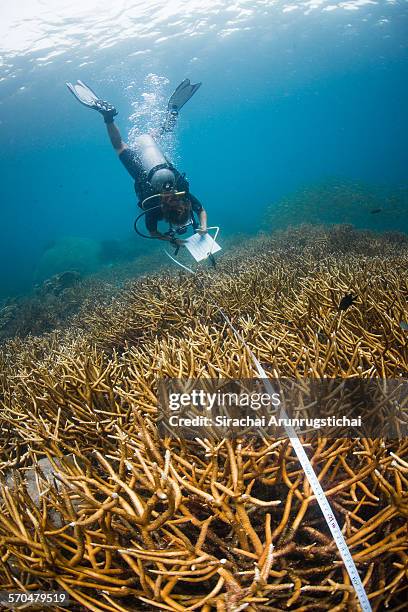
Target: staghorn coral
[
  {"x": 51, "y": 306},
  {"x": 130, "y": 521}
]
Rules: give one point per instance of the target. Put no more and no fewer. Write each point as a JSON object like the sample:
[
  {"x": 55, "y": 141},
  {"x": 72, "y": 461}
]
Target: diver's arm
[
  {"x": 160, "y": 236},
  {"x": 202, "y": 217},
  {"x": 116, "y": 138},
  {"x": 151, "y": 226},
  {"x": 199, "y": 210}
]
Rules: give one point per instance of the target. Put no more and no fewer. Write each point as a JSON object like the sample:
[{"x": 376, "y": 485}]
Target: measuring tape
[
  {"x": 314, "y": 483},
  {"x": 322, "y": 500}
]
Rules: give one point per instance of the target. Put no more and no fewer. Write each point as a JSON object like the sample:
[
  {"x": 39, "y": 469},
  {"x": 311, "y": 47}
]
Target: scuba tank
[{"x": 157, "y": 170}]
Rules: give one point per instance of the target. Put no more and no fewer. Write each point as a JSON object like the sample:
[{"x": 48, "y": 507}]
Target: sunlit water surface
[{"x": 293, "y": 93}]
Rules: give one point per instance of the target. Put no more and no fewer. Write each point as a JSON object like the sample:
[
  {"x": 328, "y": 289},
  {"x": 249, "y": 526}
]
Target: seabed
[{"x": 96, "y": 503}]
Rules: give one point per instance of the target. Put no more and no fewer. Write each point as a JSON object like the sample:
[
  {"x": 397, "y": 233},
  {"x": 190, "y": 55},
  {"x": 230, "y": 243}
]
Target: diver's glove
[
  {"x": 176, "y": 242},
  {"x": 108, "y": 111},
  {"x": 86, "y": 96}
]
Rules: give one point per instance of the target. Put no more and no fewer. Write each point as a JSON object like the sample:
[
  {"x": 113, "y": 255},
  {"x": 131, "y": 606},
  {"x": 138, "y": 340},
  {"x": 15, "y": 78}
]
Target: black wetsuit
[{"x": 143, "y": 190}]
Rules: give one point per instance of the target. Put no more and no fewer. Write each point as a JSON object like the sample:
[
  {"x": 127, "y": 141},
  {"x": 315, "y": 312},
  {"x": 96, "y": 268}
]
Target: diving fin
[
  {"x": 177, "y": 100},
  {"x": 83, "y": 94},
  {"x": 86, "y": 96},
  {"x": 182, "y": 95}
]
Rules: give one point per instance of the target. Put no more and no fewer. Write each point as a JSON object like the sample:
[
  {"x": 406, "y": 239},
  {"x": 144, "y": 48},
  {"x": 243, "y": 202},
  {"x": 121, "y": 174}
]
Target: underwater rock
[
  {"x": 46, "y": 473},
  {"x": 69, "y": 253},
  {"x": 59, "y": 282}
]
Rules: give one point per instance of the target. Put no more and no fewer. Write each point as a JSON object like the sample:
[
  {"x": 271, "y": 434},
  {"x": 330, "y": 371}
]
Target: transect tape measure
[
  {"x": 310, "y": 475},
  {"x": 314, "y": 483}
]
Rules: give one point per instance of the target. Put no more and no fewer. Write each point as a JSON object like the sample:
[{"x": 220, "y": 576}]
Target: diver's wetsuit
[{"x": 143, "y": 190}]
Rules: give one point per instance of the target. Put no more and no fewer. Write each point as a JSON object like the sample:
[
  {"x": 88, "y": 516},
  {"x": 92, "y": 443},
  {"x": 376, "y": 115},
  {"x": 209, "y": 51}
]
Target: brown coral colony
[{"x": 94, "y": 502}]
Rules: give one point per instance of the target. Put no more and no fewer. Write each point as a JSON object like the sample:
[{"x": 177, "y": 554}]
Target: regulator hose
[{"x": 137, "y": 220}]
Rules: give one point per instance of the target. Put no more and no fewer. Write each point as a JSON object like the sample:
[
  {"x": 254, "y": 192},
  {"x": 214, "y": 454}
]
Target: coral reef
[
  {"x": 123, "y": 520},
  {"x": 341, "y": 201},
  {"x": 58, "y": 283},
  {"x": 54, "y": 302},
  {"x": 51, "y": 306}
]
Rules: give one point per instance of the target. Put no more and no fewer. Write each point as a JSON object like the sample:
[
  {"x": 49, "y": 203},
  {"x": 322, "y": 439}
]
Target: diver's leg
[
  {"x": 166, "y": 128},
  {"x": 115, "y": 137},
  {"x": 169, "y": 123},
  {"x": 177, "y": 100}
]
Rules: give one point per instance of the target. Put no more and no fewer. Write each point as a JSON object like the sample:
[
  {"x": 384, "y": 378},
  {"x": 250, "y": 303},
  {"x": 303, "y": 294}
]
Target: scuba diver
[{"x": 163, "y": 192}]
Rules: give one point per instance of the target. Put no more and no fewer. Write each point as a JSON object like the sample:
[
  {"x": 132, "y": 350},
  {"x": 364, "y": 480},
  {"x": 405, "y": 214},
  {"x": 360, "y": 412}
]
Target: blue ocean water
[{"x": 293, "y": 94}]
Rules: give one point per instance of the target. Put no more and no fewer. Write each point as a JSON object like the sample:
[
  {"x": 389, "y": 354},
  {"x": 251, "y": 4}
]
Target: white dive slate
[{"x": 201, "y": 247}]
